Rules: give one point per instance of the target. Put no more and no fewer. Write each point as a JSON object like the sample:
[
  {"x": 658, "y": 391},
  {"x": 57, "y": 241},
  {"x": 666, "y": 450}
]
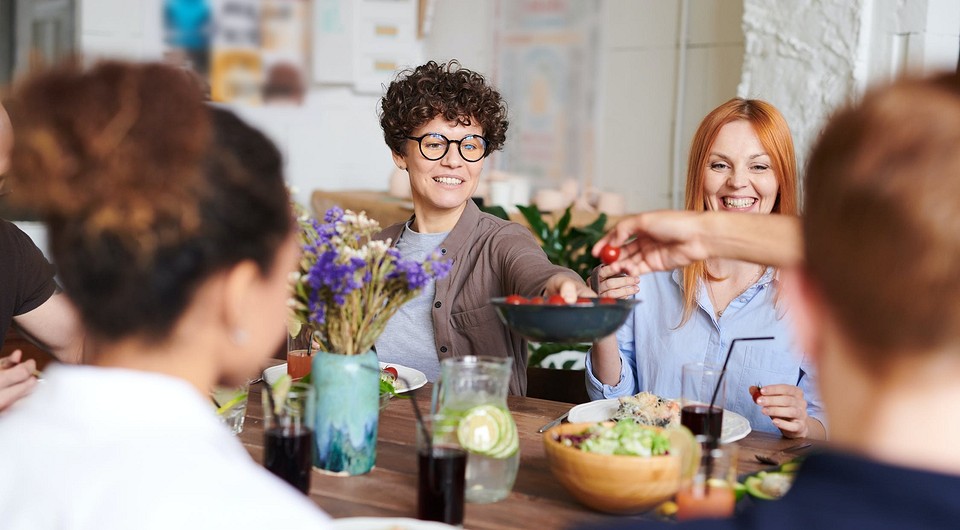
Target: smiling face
[
  {"x": 440, "y": 187},
  {"x": 738, "y": 175}
]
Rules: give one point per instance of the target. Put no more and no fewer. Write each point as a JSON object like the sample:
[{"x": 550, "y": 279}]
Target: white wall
[
  {"x": 332, "y": 142},
  {"x": 809, "y": 56},
  {"x": 640, "y": 101},
  {"x": 804, "y": 56}
]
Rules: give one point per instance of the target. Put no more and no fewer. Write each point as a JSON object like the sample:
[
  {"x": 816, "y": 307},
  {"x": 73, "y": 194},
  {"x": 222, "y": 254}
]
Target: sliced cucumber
[{"x": 759, "y": 485}]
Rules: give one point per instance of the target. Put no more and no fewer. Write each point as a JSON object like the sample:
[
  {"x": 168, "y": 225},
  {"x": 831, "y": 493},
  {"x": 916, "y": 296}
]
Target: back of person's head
[
  {"x": 882, "y": 218},
  {"x": 774, "y": 135},
  {"x": 147, "y": 191},
  {"x": 420, "y": 94}
]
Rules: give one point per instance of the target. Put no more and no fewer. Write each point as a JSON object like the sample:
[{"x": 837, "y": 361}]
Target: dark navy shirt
[{"x": 837, "y": 491}]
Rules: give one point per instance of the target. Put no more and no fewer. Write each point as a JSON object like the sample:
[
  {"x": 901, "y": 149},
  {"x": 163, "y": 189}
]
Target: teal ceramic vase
[{"x": 348, "y": 396}]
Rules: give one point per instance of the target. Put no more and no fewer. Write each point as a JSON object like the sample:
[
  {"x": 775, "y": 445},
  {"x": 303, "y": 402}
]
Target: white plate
[
  {"x": 386, "y": 523},
  {"x": 410, "y": 378},
  {"x": 734, "y": 426}
]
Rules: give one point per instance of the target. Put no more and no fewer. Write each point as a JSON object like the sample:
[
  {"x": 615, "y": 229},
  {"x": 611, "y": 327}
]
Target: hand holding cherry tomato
[{"x": 609, "y": 254}]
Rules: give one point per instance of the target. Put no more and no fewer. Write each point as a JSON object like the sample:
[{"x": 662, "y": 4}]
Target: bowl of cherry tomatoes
[{"x": 551, "y": 319}]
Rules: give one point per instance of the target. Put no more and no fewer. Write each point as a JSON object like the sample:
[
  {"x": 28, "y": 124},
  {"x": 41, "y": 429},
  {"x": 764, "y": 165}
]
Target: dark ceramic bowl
[{"x": 580, "y": 322}]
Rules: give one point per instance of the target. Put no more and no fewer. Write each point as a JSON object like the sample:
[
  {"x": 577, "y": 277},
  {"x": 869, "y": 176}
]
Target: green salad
[{"x": 621, "y": 438}]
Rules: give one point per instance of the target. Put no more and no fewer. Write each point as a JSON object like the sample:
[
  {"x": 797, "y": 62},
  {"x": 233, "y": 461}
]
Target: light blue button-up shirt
[{"x": 653, "y": 349}]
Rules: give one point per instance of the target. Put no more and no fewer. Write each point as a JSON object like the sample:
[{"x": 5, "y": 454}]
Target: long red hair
[{"x": 774, "y": 135}]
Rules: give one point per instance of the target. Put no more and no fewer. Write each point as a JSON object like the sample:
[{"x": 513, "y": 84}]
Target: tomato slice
[{"x": 392, "y": 371}]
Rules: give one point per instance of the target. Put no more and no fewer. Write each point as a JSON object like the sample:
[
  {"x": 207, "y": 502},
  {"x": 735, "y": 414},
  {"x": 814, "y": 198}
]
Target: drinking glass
[
  {"x": 698, "y": 387},
  {"x": 300, "y": 350},
  {"x": 710, "y": 494},
  {"x": 288, "y": 427},
  {"x": 442, "y": 465},
  {"x": 474, "y": 389},
  {"x": 231, "y": 405}
]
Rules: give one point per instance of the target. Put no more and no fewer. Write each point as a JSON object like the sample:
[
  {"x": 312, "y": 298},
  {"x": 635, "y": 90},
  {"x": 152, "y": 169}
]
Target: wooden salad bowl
[{"x": 611, "y": 483}]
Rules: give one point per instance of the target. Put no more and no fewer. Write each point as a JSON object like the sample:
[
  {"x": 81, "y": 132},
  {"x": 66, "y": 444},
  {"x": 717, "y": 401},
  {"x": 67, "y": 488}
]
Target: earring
[{"x": 239, "y": 336}]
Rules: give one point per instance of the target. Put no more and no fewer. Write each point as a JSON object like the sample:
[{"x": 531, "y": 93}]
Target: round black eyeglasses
[{"x": 434, "y": 146}]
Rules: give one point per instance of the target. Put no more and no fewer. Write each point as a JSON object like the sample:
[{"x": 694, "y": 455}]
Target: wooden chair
[{"x": 556, "y": 385}]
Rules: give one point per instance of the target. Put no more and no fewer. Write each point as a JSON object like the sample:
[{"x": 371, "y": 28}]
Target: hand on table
[
  {"x": 16, "y": 378},
  {"x": 785, "y": 405}
]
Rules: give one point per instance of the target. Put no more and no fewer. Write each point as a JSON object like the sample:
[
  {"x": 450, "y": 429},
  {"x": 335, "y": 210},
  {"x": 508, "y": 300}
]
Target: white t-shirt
[{"x": 105, "y": 448}]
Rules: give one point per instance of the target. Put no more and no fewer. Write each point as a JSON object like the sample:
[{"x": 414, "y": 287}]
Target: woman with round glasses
[
  {"x": 741, "y": 160},
  {"x": 440, "y": 121}
]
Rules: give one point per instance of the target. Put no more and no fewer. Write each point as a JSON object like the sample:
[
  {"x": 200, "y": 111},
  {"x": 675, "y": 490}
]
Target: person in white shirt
[{"x": 171, "y": 226}]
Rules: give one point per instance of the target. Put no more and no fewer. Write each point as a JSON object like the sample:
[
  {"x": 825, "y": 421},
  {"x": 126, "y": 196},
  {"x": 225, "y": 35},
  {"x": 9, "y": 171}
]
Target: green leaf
[
  {"x": 564, "y": 221},
  {"x": 535, "y": 220}
]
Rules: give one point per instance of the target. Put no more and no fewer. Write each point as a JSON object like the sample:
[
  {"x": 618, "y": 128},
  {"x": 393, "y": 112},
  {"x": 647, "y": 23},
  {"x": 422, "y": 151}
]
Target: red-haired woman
[{"x": 742, "y": 160}]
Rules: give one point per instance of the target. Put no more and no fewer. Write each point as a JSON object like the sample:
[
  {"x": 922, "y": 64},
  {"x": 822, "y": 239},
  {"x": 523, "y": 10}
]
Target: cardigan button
[
  {"x": 443, "y": 251},
  {"x": 443, "y": 349},
  {"x": 437, "y": 305}
]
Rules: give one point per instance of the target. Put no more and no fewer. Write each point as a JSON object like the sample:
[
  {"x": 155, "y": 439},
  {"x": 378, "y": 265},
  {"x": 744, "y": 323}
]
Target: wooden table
[{"x": 390, "y": 490}]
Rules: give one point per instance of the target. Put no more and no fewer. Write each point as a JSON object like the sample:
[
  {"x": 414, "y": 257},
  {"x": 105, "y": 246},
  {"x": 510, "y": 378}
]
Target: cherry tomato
[
  {"x": 583, "y": 300},
  {"x": 516, "y": 299},
  {"x": 537, "y": 300},
  {"x": 556, "y": 299},
  {"x": 755, "y": 392},
  {"x": 391, "y": 370},
  {"x": 609, "y": 254},
  {"x": 607, "y": 300}
]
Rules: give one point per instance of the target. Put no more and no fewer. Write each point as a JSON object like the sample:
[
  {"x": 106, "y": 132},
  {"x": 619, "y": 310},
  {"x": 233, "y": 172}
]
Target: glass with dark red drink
[
  {"x": 701, "y": 419},
  {"x": 288, "y": 422},
  {"x": 701, "y": 385},
  {"x": 442, "y": 466}
]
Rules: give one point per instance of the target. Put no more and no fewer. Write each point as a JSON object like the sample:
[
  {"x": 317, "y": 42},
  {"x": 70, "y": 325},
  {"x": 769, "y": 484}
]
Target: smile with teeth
[
  {"x": 447, "y": 180},
  {"x": 738, "y": 202}
]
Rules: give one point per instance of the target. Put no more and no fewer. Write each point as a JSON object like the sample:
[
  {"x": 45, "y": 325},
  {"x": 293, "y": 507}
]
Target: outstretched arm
[{"x": 667, "y": 239}]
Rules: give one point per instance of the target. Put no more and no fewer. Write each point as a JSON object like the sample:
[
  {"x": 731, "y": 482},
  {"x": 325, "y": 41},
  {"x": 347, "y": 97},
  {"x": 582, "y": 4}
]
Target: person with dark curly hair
[
  {"x": 441, "y": 121},
  {"x": 171, "y": 226}
]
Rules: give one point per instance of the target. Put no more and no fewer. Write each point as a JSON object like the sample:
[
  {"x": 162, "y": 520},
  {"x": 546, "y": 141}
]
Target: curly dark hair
[
  {"x": 147, "y": 191},
  {"x": 420, "y": 94}
]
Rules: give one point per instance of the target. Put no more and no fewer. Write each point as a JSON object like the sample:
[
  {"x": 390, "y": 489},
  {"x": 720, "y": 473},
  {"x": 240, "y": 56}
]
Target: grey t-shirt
[{"x": 408, "y": 338}]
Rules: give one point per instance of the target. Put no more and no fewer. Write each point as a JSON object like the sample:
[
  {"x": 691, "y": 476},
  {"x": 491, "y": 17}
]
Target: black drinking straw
[
  {"x": 723, "y": 371},
  {"x": 416, "y": 412},
  {"x": 713, "y": 443}
]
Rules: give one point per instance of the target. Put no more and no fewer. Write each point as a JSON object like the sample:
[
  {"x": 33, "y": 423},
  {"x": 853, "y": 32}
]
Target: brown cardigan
[{"x": 491, "y": 258}]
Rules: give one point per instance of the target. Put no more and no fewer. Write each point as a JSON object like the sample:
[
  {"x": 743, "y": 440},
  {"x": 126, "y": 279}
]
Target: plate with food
[
  {"x": 406, "y": 379},
  {"x": 650, "y": 409}
]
